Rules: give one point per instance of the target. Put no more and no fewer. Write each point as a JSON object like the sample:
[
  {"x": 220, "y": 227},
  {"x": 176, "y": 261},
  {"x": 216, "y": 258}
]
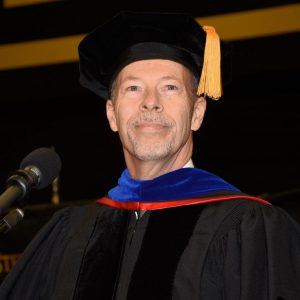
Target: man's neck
[{"x": 150, "y": 170}]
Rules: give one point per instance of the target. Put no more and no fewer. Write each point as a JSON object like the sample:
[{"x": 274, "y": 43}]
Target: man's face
[{"x": 154, "y": 110}]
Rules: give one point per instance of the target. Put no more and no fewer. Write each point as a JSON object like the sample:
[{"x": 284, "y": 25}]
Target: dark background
[{"x": 250, "y": 137}]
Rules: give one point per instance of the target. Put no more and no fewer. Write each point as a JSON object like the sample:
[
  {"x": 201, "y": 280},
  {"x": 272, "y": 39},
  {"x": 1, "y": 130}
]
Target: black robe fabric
[{"x": 237, "y": 250}]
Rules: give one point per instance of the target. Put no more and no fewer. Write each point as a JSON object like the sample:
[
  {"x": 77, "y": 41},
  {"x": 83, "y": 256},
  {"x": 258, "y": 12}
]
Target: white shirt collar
[{"x": 189, "y": 164}]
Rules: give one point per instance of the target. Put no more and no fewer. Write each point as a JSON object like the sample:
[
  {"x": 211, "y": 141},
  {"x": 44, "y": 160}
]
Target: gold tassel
[{"x": 210, "y": 81}]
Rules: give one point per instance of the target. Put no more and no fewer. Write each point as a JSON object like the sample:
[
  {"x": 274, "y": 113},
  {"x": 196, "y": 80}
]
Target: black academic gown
[{"x": 237, "y": 250}]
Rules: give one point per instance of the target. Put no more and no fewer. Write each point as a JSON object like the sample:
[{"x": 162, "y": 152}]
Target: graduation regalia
[
  {"x": 237, "y": 248},
  {"x": 199, "y": 238}
]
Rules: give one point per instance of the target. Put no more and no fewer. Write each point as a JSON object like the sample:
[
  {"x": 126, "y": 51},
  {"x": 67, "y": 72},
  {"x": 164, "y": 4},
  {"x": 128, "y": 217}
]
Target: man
[{"x": 167, "y": 230}]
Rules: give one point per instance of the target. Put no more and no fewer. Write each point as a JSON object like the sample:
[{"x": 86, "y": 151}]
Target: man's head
[
  {"x": 155, "y": 109},
  {"x": 148, "y": 66}
]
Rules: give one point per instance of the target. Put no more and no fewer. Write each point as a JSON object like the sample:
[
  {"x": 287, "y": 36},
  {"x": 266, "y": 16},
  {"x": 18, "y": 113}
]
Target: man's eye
[
  {"x": 132, "y": 88},
  {"x": 171, "y": 87}
]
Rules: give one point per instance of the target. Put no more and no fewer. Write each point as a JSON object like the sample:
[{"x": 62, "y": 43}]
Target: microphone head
[{"x": 46, "y": 163}]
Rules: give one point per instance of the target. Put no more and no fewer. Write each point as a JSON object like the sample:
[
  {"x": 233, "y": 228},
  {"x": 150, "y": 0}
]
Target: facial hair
[{"x": 152, "y": 148}]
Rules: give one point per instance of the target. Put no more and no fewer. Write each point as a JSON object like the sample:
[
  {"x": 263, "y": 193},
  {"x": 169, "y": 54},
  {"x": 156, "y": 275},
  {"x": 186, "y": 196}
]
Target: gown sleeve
[
  {"x": 257, "y": 257},
  {"x": 44, "y": 261}
]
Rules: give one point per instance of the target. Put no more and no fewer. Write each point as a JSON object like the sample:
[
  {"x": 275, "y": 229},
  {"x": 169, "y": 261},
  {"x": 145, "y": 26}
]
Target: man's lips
[{"x": 153, "y": 126}]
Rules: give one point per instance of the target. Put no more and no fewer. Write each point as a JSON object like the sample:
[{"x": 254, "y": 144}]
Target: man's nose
[{"x": 151, "y": 102}]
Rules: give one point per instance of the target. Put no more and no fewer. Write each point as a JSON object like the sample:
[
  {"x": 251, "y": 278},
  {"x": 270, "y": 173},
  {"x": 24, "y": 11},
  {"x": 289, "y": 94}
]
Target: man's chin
[
  {"x": 151, "y": 153},
  {"x": 150, "y": 157}
]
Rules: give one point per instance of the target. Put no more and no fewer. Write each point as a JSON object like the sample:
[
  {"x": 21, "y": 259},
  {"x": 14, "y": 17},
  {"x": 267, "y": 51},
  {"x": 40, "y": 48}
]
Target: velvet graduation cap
[{"x": 132, "y": 36}]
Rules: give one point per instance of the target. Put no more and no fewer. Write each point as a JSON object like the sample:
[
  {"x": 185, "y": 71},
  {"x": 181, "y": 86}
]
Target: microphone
[
  {"x": 11, "y": 219},
  {"x": 37, "y": 170}
]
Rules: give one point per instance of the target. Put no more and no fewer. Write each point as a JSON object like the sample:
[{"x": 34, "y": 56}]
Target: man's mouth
[{"x": 151, "y": 126}]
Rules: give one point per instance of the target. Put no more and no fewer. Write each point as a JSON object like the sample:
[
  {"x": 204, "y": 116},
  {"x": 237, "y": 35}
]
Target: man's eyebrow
[
  {"x": 130, "y": 77},
  {"x": 168, "y": 77},
  {"x": 135, "y": 78}
]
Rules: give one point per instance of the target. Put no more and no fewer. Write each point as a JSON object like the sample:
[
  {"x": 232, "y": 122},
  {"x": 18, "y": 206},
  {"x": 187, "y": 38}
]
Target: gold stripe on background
[
  {"x": 18, "y": 3},
  {"x": 256, "y": 23},
  {"x": 233, "y": 26},
  {"x": 41, "y": 52}
]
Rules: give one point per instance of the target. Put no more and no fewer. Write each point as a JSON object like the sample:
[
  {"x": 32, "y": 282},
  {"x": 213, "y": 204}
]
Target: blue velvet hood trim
[{"x": 183, "y": 183}]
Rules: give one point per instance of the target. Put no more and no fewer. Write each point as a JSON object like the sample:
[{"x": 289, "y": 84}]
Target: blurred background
[{"x": 250, "y": 137}]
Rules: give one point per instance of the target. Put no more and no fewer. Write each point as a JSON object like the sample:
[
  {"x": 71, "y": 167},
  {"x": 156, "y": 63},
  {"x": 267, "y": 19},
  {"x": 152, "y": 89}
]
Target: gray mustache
[{"x": 155, "y": 119}]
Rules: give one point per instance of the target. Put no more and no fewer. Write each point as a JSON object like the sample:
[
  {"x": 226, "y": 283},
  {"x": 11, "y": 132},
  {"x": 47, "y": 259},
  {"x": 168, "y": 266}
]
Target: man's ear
[
  {"x": 111, "y": 115},
  {"x": 198, "y": 113}
]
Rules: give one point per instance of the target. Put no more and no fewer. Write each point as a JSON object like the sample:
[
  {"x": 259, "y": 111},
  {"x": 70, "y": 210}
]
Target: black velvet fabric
[
  {"x": 167, "y": 236},
  {"x": 99, "y": 269},
  {"x": 130, "y": 36},
  {"x": 75, "y": 254},
  {"x": 237, "y": 250}
]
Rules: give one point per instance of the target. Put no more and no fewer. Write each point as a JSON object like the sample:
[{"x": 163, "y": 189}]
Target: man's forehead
[{"x": 161, "y": 69}]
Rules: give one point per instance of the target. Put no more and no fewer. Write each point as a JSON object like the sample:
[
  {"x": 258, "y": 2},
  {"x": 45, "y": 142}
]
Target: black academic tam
[{"x": 237, "y": 250}]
